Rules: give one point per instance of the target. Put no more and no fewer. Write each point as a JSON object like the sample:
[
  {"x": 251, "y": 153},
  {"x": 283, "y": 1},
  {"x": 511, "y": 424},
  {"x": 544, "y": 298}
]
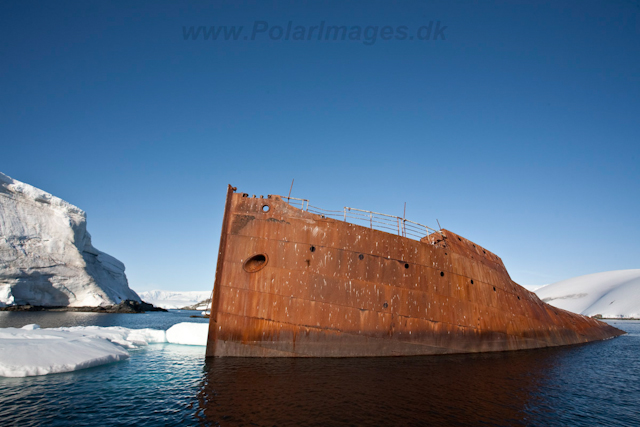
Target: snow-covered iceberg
[
  {"x": 176, "y": 299},
  {"x": 46, "y": 255},
  {"x": 30, "y": 351},
  {"x": 612, "y": 294}
]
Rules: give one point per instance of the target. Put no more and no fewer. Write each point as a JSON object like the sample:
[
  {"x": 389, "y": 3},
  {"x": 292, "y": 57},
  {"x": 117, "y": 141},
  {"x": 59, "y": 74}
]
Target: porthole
[
  {"x": 406, "y": 266},
  {"x": 265, "y": 208},
  {"x": 385, "y": 305},
  {"x": 442, "y": 273},
  {"x": 312, "y": 248},
  {"x": 494, "y": 289},
  {"x": 360, "y": 257},
  {"x": 255, "y": 263},
  {"x": 472, "y": 281}
]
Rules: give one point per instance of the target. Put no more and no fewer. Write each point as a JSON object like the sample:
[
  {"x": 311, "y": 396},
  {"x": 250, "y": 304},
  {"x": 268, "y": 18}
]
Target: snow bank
[
  {"x": 175, "y": 299},
  {"x": 30, "y": 351},
  {"x": 46, "y": 255},
  {"x": 610, "y": 294}
]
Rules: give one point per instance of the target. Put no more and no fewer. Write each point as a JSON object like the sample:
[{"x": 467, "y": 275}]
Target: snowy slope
[
  {"x": 46, "y": 255},
  {"x": 610, "y": 294},
  {"x": 174, "y": 299}
]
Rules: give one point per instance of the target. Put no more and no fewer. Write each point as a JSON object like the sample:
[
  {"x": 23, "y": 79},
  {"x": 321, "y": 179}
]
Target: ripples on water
[{"x": 593, "y": 384}]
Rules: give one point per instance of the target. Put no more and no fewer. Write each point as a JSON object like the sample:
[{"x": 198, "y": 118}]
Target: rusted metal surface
[{"x": 291, "y": 283}]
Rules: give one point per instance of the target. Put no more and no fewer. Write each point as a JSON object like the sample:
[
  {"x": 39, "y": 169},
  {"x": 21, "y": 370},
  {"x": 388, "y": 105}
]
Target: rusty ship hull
[{"x": 290, "y": 283}]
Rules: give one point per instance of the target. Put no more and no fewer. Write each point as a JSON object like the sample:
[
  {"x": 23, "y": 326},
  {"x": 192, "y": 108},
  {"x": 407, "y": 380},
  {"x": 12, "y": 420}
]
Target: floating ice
[
  {"x": 30, "y": 351},
  {"x": 188, "y": 333}
]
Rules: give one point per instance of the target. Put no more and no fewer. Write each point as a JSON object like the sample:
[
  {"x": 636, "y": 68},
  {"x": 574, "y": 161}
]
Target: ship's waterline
[{"x": 292, "y": 283}]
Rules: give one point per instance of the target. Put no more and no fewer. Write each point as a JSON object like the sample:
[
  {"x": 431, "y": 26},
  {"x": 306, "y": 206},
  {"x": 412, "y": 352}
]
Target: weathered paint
[{"x": 321, "y": 287}]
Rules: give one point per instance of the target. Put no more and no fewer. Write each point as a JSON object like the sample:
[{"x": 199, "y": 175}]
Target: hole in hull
[{"x": 255, "y": 263}]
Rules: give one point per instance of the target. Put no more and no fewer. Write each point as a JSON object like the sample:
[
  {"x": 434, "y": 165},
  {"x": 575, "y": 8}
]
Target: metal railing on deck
[
  {"x": 378, "y": 221},
  {"x": 299, "y": 203}
]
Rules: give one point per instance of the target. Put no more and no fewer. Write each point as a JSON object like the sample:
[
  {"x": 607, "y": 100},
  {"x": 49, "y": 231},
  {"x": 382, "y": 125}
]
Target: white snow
[
  {"x": 613, "y": 294},
  {"x": 46, "y": 255},
  {"x": 30, "y": 351},
  {"x": 533, "y": 288},
  {"x": 175, "y": 299},
  {"x": 188, "y": 333}
]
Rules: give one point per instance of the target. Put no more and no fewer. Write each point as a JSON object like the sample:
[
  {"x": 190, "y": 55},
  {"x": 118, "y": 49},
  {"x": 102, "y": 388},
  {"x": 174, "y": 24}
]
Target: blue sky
[{"x": 519, "y": 130}]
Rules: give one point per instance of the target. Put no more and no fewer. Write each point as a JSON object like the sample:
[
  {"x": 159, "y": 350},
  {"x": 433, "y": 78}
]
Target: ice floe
[
  {"x": 188, "y": 333},
  {"x": 30, "y": 350}
]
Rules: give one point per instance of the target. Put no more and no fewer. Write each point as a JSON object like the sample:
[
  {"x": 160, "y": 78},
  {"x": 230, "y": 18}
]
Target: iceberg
[
  {"x": 611, "y": 294},
  {"x": 31, "y": 351},
  {"x": 46, "y": 254}
]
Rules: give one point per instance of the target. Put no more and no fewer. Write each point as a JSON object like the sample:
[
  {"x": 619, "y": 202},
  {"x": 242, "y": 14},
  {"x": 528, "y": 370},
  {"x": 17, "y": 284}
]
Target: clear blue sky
[{"x": 520, "y": 130}]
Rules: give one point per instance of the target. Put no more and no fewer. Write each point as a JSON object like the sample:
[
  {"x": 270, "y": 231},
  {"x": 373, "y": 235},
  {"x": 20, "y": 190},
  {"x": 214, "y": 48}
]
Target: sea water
[{"x": 167, "y": 384}]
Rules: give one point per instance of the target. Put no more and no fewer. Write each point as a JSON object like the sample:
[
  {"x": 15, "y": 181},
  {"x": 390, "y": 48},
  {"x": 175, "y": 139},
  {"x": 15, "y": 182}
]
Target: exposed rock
[
  {"x": 129, "y": 306},
  {"x": 202, "y": 305},
  {"x": 126, "y": 306}
]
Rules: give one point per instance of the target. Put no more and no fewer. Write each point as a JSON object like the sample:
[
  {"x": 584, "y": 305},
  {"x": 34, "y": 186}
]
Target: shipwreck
[{"x": 293, "y": 280}]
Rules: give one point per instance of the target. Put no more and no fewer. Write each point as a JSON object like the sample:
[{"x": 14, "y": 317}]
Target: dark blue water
[{"x": 166, "y": 384}]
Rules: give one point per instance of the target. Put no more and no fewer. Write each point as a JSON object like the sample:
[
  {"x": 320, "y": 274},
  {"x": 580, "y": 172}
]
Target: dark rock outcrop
[{"x": 127, "y": 306}]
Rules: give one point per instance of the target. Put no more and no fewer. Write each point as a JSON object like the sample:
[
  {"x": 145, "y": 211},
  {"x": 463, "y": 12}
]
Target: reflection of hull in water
[
  {"x": 455, "y": 390},
  {"x": 290, "y": 283}
]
